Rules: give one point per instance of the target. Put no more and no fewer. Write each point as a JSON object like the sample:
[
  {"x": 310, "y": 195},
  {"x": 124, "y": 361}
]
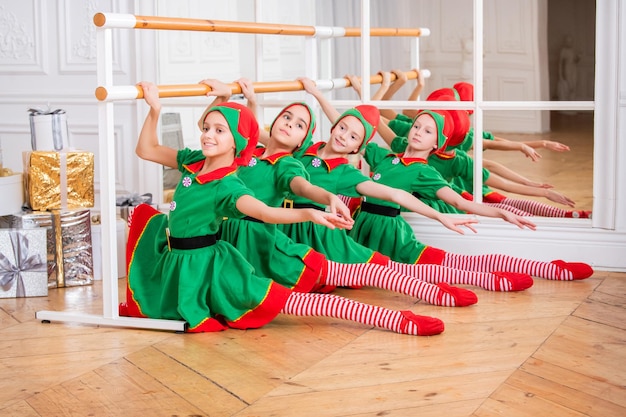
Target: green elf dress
[
  {"x": 179, "y": 269},
  {"x": 272, "y": 253},
  {"x": 378, "y": 223},
  {"x": 339, "y": 177}
]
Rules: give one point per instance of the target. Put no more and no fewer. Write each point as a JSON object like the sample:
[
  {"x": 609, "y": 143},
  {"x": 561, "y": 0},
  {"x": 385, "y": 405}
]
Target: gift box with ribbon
[
  {"x": 126, "y": 203},
  {"x": 23, "y": 270},
  {"x": 69, "y": 250},
  {"x": 59, "y": 180},
  {"x": 48, "y": 129}
]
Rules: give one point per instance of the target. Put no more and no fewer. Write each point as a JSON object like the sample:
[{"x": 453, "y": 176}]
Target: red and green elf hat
[
  {"x": 444, "y": 123},
  {"x": 435, "y": 95},
  {"x": 308, "y": 140},
  {"x": 243, "y": 126},
  {"x": 461, "y": 122},
  {"x": 368, "y": 115},
  {"x": 465, "y": 92}
]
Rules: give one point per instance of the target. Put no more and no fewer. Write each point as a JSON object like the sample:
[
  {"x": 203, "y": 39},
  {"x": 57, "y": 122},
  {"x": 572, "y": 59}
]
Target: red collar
[
  {"x": 446, "y": 155},
  {"x": 272, "y": 158},
  {"x": 330, "y": 163},
  {"x": 213, "y": 175},
  {"x": 409, "y": 161}
]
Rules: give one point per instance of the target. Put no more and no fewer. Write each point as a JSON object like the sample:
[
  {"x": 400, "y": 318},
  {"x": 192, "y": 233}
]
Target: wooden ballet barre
[
  {"x": 129, "y": 21},
  {"x": 113, "y": 93}
]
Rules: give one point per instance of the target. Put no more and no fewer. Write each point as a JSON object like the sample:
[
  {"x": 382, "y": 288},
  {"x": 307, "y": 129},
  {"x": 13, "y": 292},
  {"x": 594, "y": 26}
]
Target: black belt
[
  {"x": 252, "y": 219},
  {"x": 191, "y": 242},
  {"x": 378, "y": 209},
  {"x": 291, "y": 204}
]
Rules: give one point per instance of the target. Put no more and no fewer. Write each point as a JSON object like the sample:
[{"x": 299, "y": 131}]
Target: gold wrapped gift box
[{"x": 59, "y": 180}]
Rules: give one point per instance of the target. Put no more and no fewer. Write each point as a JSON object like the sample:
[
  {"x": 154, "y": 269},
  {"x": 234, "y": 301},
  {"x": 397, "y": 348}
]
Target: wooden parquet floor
[{"x": 556, "y": 349}]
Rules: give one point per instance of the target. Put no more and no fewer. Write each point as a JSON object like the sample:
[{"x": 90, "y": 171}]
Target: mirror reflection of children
[
  {"x": 179, "y": 269},
  {"x": 380, "y": 227},
  {"x": 456, "y": 166}
]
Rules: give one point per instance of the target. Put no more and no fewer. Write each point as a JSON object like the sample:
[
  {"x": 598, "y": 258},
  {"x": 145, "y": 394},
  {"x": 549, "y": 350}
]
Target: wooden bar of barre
[
  {"x": 178, "y": 23},
  {"x": 189, "y": 90}
]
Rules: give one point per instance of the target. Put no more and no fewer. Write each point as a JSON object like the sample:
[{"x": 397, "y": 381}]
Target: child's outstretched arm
[
  {"x": 410, "y": 202},
  {"x": 501, "y": 144},
  {"x": 500, "y": 183},
  {"x": 547, "y": 144},
  {"x": 507, "y": 173},
  {"x": 252, "y": 207},
  {"x": 328, "y": 109},
  {"x": 247, "y": 89},
  {"x": 451, "y": 197},
  {"x": 148, "y": 146},
  {"x": 219, "y": 90},
  {"x": 304, "y": 188}
]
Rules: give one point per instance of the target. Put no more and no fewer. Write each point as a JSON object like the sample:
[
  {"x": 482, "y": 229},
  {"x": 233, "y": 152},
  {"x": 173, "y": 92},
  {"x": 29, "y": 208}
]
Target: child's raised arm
[
  {"x": 415, "y": 94},
  {"x": 328, "y": 109},
  {"x": 401, "y": 79},
  {"x": 247, "y": 89},
  {"x": 220, "y": 91},
  {"x": 148, "y": 146}
]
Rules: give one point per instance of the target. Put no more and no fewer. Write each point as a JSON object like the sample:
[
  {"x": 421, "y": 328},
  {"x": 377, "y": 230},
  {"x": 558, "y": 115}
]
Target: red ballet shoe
[
  {"x": 578, "y": 270},
  {"x": 512, "y": 281},
  {"x": 426, "y": 326},
  {"x": 462, "y": 297},
  {"x": 123, "y": 309},
  {"x": 578, "y": 214},
  {"x": 129, "y": 310},
  {"x": 208, "y": 325}
]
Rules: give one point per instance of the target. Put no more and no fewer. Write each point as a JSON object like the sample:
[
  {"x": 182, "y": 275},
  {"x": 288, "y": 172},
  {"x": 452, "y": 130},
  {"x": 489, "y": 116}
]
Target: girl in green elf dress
[{"x": 179, "y": 269}]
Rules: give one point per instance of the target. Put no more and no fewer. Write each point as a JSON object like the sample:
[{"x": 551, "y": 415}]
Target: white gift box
[
  {"x": 12, "y": 192},
  {"x": 48, "y": 130},
  {"x": 23, "y": 267}
]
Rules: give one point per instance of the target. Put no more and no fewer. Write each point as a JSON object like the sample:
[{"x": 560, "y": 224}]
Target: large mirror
[{"x": 532, "y": 50}]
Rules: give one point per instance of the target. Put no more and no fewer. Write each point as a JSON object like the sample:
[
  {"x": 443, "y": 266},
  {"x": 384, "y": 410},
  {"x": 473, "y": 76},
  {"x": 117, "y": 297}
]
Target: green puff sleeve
[
  {"x": 401, "y": 125},
  {"x": 288, "y": 168},
  {"x": 231, "y": 188}
]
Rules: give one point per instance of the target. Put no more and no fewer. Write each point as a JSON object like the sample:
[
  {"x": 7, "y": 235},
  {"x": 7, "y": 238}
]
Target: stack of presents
[{"x": 45, "y": 214}]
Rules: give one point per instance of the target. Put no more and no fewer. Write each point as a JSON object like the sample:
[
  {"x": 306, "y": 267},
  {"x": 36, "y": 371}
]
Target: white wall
[{"x": 47, "y": 58}]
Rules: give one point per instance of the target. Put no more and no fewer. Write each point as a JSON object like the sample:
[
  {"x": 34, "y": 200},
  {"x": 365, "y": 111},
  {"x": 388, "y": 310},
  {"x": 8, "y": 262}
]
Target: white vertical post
[
  {"x": 258, "y": 59},
  {"x": 106, "y": 150},
  {"x": 478, "y": 98},
  {"x": 365, "y": 51}
]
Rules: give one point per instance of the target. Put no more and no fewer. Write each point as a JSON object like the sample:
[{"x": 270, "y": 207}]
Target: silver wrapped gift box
[
  {"x": 68, "y": 243},
  {"x": 23, "y": 270}
]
